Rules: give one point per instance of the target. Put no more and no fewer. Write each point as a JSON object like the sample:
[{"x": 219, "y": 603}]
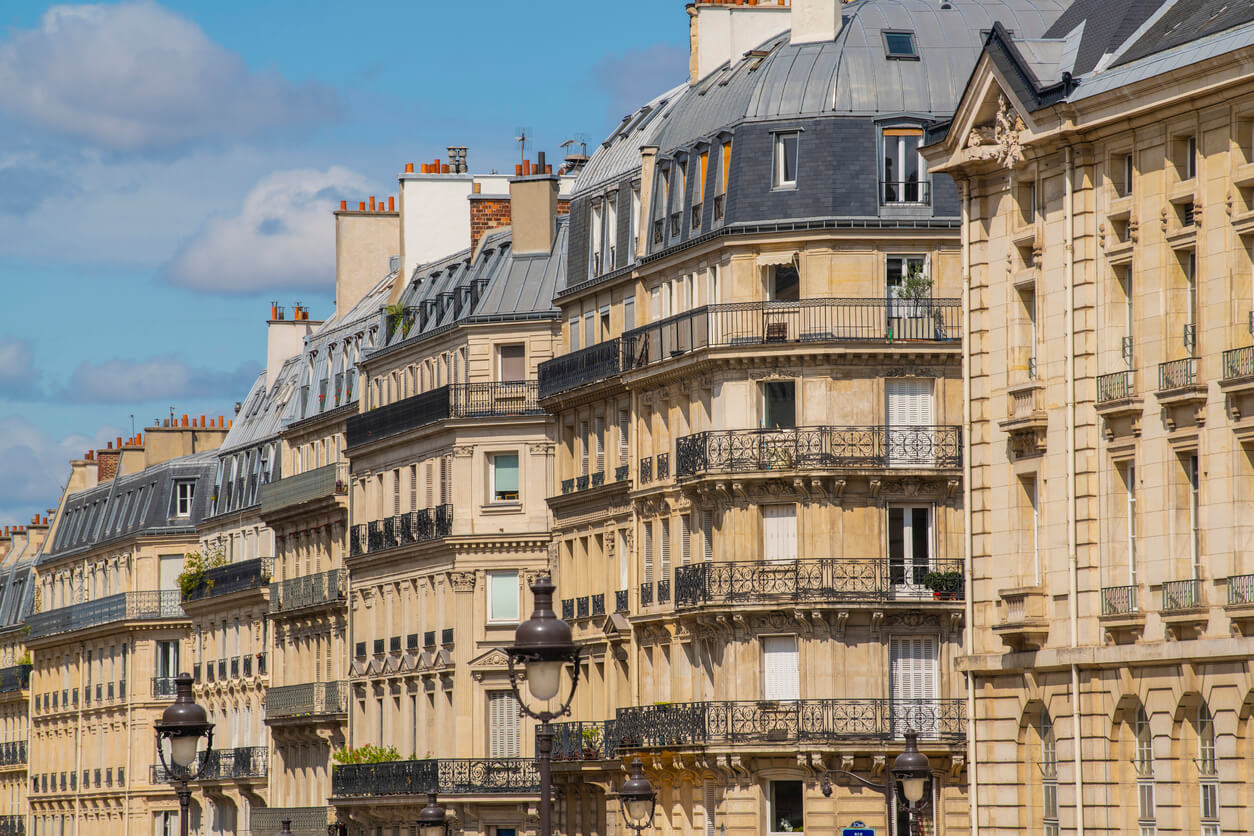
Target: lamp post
[
  {"x": 637, "y": 798},
  {"x": 431, "y": 819},
  {"x": 543, "y": 647},
  {"x": 908, "y": 781},
  {"x": 183, "y": 724}
]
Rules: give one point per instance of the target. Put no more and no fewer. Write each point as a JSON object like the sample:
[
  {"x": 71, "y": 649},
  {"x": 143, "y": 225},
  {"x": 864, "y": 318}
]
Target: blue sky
[{"x": 166, "y": 169}]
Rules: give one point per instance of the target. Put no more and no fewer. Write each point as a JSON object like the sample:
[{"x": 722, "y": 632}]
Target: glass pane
[
  {"x": 787, "y": 811},
  {"x": 513, "y": 363},
  {"x": 899, "y": 43},
  {"x": 504, "y": 596},
  {"x": 505, "y": 475},
  {"x": 788, "y": 149},
  {"x": 787, "y": 285},
  {"x": 780, "y": 405}
]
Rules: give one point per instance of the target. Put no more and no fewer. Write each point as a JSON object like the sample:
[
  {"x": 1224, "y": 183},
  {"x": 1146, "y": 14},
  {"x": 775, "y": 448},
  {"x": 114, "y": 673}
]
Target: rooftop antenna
[{"x": 521, "y": 139}]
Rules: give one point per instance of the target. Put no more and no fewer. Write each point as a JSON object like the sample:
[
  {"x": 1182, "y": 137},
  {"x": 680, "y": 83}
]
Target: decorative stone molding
[
  {"x": 1001, "y": 141},
  {"x": 462, "y": 581}
]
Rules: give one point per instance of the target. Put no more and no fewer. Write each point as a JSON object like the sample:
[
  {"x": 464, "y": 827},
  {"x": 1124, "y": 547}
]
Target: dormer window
[
  {"x": 786, "y": 160},
  {"x": 899, "y": 46},
  {"x": 184, "y": 492}
]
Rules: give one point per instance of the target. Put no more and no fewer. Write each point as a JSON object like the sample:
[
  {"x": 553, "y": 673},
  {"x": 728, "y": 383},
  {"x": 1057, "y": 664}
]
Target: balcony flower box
[{"x": 945, "y": 586}]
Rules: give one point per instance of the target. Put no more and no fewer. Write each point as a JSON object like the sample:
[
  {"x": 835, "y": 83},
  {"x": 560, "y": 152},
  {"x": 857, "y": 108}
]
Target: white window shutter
[
  {"x": 779, "y": 527},
  {"x": 685, "y": 540},
  {"x": 502, "y": 725},
  {"x": 648, "y": 551},
  {"x": 665, "y": 535},
  {"x": 707, "y": 535},
  {"x": 781, "y": 672}
]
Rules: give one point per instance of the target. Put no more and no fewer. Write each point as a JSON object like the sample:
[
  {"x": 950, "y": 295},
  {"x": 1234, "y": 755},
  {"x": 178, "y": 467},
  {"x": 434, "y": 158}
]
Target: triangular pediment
[{"x": 491, "y": 659}]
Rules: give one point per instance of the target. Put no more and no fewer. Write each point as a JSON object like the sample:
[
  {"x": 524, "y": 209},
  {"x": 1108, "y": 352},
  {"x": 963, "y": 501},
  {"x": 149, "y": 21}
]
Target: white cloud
[
  {"x": 135, "y": 77},
  {"x": 282, "y": 237},
  {"x": 18, "y": 376},
  {"x": 159, "y": 379},
  {"x": 36, "y": 466}
]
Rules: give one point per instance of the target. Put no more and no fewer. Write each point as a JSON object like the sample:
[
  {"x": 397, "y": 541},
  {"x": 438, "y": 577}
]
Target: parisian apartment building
[{"x": 891, "y": 373}]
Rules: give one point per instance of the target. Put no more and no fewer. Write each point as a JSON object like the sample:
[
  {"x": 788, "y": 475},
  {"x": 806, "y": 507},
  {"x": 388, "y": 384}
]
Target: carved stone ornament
[
  {"x": 463, "y": 451},
  {"x": 1002, "y": 141},
  {"x": 911, "y": 371},
  {"x": 462, "y": 581}
]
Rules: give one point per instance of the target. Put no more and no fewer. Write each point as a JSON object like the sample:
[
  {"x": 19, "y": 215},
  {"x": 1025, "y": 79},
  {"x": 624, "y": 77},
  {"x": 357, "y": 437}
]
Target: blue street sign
[{"x": 858, "y": 829}]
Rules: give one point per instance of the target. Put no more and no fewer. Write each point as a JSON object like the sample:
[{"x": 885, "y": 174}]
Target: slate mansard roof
[
  {"x": 17, "y": 585},
  {"x": 134, "y": 504}
]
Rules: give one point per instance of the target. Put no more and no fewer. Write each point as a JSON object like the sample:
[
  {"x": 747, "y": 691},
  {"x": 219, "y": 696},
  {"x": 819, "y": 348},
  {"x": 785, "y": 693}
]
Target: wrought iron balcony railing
[
  {"x": 580, "y": 741},
  {"x": 402, "y": 529},
  {"x": 1115, "y": 386},
  {"x": 125, "y": 606},
  {"x": 455, "y": 400},
  {"x": 13, "y": 753},
  {"x": 739, "y": 324},
  {"x": 1175, "y": 374},
  {"x": 1238, "y": 362},
  {"x": 646, "y": 470},
  {"x": 15, "y": 678},
  {"x": 163, "y": 687},
  {"x": 305, "y": 591},
  {"x": 241, "y": 762},
  {"x": 662, "y": 466},
  {"x": 1118, "y": 600},
  {"x": 622, "y": 473},
  {"x": 826, "y": 448},
  {"x": 622, "y": 602},
  {"x": 905, "y": 192},
  {"x": 307, "y": 700},
  {"x": 319, "y": 483},
  {"x": 306, "y": 821},
  {"x": 598, "y": 604},
  {"x": 646, "y": 594},
  {"x": 234, "y": 577},
  {"x": 788, "y": 722},
  {"x": 1182, "y": 595},
  {"x": 446, "y": 776},
  {"x": 12, "y": 824},
  {"x": 579, "y": 368},
  {"x": 837, "y": 579},
  {"x": 1241, "y": 589}
]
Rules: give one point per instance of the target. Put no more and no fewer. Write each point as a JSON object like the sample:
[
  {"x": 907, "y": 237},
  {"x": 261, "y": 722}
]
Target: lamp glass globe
[
  {"x": 183, "y": 750},
  {"x": 913, "y": 788},
  {"x": 638, "y": 810},
  {"x": 544, "y": 679}
]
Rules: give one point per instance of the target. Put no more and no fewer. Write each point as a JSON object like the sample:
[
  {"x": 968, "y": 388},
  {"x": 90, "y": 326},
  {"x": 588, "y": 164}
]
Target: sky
[{"x": 168, "y": 169}]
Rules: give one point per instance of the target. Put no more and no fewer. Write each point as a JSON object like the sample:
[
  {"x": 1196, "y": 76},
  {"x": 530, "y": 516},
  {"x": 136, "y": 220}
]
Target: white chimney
[
  {"x": 719, "y": 33},
  {"x": 815, "y": 21}
]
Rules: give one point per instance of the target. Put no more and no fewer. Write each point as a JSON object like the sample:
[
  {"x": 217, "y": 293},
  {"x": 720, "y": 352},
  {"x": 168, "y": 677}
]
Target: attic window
[{"x": 900, "y": 46}]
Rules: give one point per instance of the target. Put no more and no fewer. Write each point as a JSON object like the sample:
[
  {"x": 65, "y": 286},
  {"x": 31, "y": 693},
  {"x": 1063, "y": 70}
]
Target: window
[
  {"x": 504, "y": 473},
  {"x": 629, "y": 313},
  {"x": 1143, "y": 762},
  {"x": 900, "y": 46},
  {"x": 1125, "y": 186},
  {"x": 1195, "y": 532},
  {"x": 779, "y": 404},
  {"x": 784, "y": 283},
  {"x": 912, "y": 674},
  {"x": 572, "y": 333},
  {"x": 168, "y": 659},
  {"x": 624, "y": 437},
  {"x": 596, "y": 230},
  {"x": 590, "y": 328},
  {"x": 184, "y": 492},
  {"x": 909, "y": 547},
  {"x": 1049, "y": 776},
  {"x": 781, "y": 671},
  {"x": 503, "y": 596},
  {"x": 512, "y": 362},
  {"x": 779, "y": 533},
  {"x": 909, "y": 411},
  {"x": 904, "y": 170},
  {"x": 1190, "y": 157},
  {"x": 635, "y": 223},
  {"x": 787, "y": 807},
  {"x": 898, "y": 267},
  {"x": 707, "y": 535},
  {"x": 786, "y": 159},
  {"x": 611, "y": 232}
]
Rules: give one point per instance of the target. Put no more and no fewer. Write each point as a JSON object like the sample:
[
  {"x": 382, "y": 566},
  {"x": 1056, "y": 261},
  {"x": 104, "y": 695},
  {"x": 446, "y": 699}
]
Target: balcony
[
  {"x": 1115, "y": 386},
  {"x": 579, "y": 484},
  {"x": 306, "y": 591},
  {"x": 1177, "y": 374},
  {"x": 400, "y": 530},
  {"x": 1024, "y": 622},
  {"x": 905, "y": 193},
  {"x": 1119, "y": 600},
  {"x": 12, "y": 825},
  {"x": 163, "y": 688},
  {"x": 306, "y": 821},
  {"x": 288, "y": 702},
  {"x": 456, "y": 400},
  {"x": 242, "y": 762},
  {"x": 310, "y": 486},
  {"x": 818, "y": 448},
  {"x": 592, "y": 741},
  {"x": 15, "y": 678},
  {"x": 579, "y": 368},
  {"x": 729, "y": 724},
  {"x": 1238, "y": 363},
  {"x": 234, "y": 577},
  {"x": 1179, "y": 596},
  {"x": 827, "y": 580},
  {"x": 13, "y": 753},
  {"x": 126, "y": 606},
  {"x": 446, "y": 776},
  {"x": 621, "y": 600},
  {"x": 746, "y": 324}
]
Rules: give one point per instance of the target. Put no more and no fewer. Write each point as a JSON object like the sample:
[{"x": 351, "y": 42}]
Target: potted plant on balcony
[
  {"x": 911, "y": 307},
  {"x": 591, "y": 744},
  {"x": 945, "y": 586}
]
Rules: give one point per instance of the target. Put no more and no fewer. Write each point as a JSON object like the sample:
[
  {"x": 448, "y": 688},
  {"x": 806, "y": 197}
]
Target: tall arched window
[
  {"x": 1049, "y": 776},
  {"x": 1208, "y": 773},
  {"x": 1143, "y": 761}
]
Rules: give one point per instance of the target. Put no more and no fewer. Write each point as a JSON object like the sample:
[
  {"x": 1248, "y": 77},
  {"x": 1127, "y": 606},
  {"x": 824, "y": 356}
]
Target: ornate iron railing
[
  {"x": 622, "y": 600},
  {"x": 1241, "y": 589},
  {"x": 309, "y": 699},
  {"x": 1118, "y": 600},
  {"x": 568, "y": 609},
  {"x": 1238, "y": 362},
  {"x": 12, "y": 753},
  {"x": 622, "y": 472},
  {"x": 579, "y": 368},
  {"x": 598, "y": 604},
  {"x": 125, "y": 606},
  {"x": 1114, "y": 386},
  {"x": 15, "y": 678},
  {"x": 234, "y": 577},
  {"x": 446, "y": 776},
  {"x": 306, "y": 821},
  {"x": 163, "y": 687},
  {"x": 664, "y": 591},
  {"x": 591, "y": 741},
  {"x": 319, "y": 483},
  {"x": 455, "y": 400},
  {"x": 646, "y": 594},
  {"x": 805, "y": 321},
  {"x": 662, "y": 466},
  {"x": 803, "y": 448},
  {"x": 12, "y": 824},
  {"x": 834, "y": 579},
  {"x": 241, "y": 762},
  {"x": 306, "y": 591},
  {"x": 402, "y": 529},
  {"x": 1182, "y": 595},
  {"x": 905, "y": 192},
  {"x": 582, "y": 609},
  {"x": 568, "y": 486},
  {"x": 1177, "y": 373},
  {"x": 788, "y": 722}
]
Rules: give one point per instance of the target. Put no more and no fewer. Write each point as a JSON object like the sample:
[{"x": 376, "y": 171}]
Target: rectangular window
[
  {"x": 779, "y": 404},
  {"x": 595, "y": 231},
  {"x": 784, "y": 285},
  {"x": 584, "y": 448},
  {"x": 598, "y": 441},
  {"x": 1125, "y": 187},
  {"x": 635, "y": 223},
  {"x": 512, "y": 360},
  {"x": 1190, "y": 158},
  {"x": 503, "y": 596},
  {"x": 648, "y": 551},
  {"x": 779, "y": 533},
  {"x": 572, "y": 333},
  {"x": 787, "y": 808},
  {"x": 504, "y": 467},
  {"x": 781, "y": 670},
  {"x": 900, "y": 46},
  {"x": 184, "y": 493},
  {"x": 912, "y": 675},
  {"x": 685, "y": 540},
  {"x": 898, "y": 267},
  {"x": 1129, "y": 482},
  {"x": 624, "y": 437},
  {"x": 904, "y": 170},
  {"x": 1195, "y": 533},
  {"x": 909, "y": 548},
  {"x": 665, "y": 536},
  {"x": 629, "y": 313},
  {"x": 589, "y": 328},
  {"x": 707, "y": 536},
  {"x": 786, "y": 159},
  {"x": 611, "y": 233}
]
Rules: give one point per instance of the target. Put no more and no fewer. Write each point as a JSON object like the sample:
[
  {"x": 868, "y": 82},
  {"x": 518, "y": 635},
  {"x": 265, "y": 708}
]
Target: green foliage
[
  {"x": 943, "y": 581},
  {"x": 396, "y": 318},
  {"x": 25, "y": 660},
  {"x": 194, "y": 567},
  {"x": 915, "y": 286},
  {"x": 366, "y": 754}
]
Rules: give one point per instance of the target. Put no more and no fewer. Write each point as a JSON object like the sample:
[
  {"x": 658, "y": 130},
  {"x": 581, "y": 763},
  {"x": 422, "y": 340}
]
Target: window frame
[
  {"x": 179, "y": 485},
  {"x": 493, "y": 499},
  {"x": 892, "y": 55},
  {"x": 771, "y": 822},
  {"x": 488, "y": 591},
  {"x": 778, "y": 140}
]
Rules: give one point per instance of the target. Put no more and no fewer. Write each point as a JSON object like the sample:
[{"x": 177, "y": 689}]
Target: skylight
[{"x": 900, "y": 45}]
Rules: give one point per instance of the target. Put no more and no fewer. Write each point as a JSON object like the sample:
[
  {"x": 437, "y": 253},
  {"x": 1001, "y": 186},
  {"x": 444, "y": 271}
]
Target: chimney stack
[
  {"x": 722, "y": 32},
  {"x": 815, "y": 21},
  {"x": 533, "y": 208}
]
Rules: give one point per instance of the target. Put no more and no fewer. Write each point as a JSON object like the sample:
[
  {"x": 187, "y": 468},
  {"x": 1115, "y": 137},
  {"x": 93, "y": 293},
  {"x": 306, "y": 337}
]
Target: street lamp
[
  {"x": 543, "y": 647},
  {"x": 183, "y": 724},
  {"x": 908, "y": 781},
  {"x": 431, "y": 819},
  {"x": 286, "y": 827},
  {"x": 637, "y": 798}
]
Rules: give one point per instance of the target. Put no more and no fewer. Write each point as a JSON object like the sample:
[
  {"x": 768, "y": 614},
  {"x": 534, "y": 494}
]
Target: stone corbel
[
  {"x": 1169, "y": 420},
  {"x": 875, "y": 486},
  {"x": 955, "y": 622},
  {"x": 842, "y": 620},
  {"x": 877, "y": 621},
  {"x": 738, "y": 490},
  {"x": 956, "y": 764},
  {"x": 737, "y": 766},
  {"x": 803, "y": 625},
  {"x": 1233, "y": 406},
  {"x": 951, "y": 488},
  {"x": 877, "y": 765}
]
